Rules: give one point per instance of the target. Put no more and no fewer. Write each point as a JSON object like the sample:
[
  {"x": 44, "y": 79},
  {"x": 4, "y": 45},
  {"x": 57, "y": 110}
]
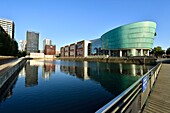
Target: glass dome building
[{"x": 135, "y": 39}]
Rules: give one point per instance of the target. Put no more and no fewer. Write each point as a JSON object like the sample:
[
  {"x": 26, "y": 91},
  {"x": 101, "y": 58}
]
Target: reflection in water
[
  {"x": 48, "y": 69},
  {"x": 113, "y": 77},
  {"x": 22, "y": 72},
  {"x": 81, "y": 69},
  {"x": 67, "y": 86},
  {"x": 7, "y": 91},
  {"x": 31, "y": 78},
  {"x": 78, "y": 69},
  {"x": 31, "y": 71}
]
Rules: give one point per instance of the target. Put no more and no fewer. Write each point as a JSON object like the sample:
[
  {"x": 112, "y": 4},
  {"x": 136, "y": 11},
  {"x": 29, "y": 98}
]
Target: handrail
[{"x": 106, "y": 107}]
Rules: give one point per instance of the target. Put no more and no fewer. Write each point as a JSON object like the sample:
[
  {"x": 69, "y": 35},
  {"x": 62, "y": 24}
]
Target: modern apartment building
[
  {"x": 8, "y": 26},
  {"x": 66, "y": 51},
  {"x": 79, "y": 49},
  {"x": 72, "y": 50},
  {"x": 82, "y": 48},
  {"x": 32, "y": 45}
]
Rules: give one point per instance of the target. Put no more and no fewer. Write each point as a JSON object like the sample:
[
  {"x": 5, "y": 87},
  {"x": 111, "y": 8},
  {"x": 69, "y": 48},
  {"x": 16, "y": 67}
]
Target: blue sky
[{"x": 69, "y": 21}]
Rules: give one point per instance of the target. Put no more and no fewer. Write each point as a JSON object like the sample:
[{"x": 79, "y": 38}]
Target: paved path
[
  {"x": 159, "y": 99},
  {"x": 164, "y": 60},
  {"x": 6, "y": 60},
  {"x": 6, "y": 64}
]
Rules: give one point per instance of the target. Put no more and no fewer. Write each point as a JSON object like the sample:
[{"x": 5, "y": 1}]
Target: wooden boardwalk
[{"x": 159, "y": 99}]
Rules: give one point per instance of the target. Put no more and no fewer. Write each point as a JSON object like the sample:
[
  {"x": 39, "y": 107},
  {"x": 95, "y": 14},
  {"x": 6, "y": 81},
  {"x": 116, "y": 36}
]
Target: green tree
[
  {"x": 14, "y": 48},
  {"x": 21, "y": 54},
  {"x": 168, "y": 51},
  {"x": 158, "y": 52},
  {"x": 8, "y": 46}
]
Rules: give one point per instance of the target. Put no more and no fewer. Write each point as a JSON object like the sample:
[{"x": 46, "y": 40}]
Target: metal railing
[{"x": 134, "y": 97}]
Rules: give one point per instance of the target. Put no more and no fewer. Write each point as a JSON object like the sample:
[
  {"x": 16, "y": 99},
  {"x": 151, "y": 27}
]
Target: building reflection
[
  {"x": 48, "y": 69},
  {"x": 113, "y": 77},
  {"x": 126, "y": 69},
  {"x": 22, "y": 72},
  {"x": 80, "y": 71},
  {"x": 31, "y": 71},
  {"x": 31, "y": 78},
  {"x": 83, "y": 70},
  {"x": 36, "y": 62}
]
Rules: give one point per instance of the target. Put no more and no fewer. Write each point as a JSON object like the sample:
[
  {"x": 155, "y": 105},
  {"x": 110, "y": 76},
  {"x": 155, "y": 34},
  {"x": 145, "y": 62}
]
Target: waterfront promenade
[
  {"x": 6, "y": 59},
  {"x": 8, "y": 69},
  {"x": 159, "y": 99},
  {"x": 6, "y": 63}
]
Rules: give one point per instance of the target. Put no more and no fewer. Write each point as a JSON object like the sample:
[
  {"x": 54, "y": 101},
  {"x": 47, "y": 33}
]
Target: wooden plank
[{"x": 159, "y": 100}]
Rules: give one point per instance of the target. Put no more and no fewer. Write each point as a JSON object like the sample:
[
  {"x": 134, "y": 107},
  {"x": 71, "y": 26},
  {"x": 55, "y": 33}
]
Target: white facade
[
  {"x": 22, "y": 45},
  {"x": 86, "y": 42},
  {"x": 46, "y": 42},
  {"x": 8, "y": 26},
  {"x": 36, "y": 55}
]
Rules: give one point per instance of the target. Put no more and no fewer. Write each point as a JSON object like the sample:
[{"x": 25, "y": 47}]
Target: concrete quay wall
[
  {"x": 133, "y": 60},
  {"x": 9, "y": 69}
]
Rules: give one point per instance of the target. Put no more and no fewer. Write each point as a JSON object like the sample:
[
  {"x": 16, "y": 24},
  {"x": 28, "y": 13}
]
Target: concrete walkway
[
  {"x": 159, "y": 99},
  {"x": 6, "y": 65},
  {"x": 6, "y": 60}
]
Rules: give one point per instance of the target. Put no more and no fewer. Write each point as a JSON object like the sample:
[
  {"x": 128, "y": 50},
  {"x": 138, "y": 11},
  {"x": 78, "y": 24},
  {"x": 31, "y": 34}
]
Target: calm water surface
[{"x": 67, "y": 86}]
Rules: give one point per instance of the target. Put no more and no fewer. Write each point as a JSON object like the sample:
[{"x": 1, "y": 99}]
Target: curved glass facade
[{"x": 139, "y": 35}]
